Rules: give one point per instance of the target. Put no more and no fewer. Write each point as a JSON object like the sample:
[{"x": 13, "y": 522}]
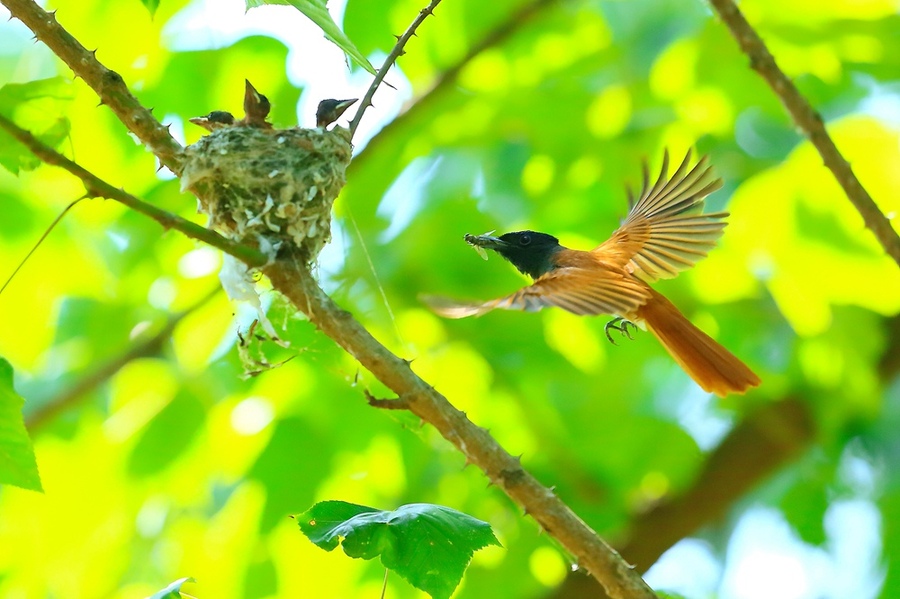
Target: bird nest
[{"x": 267, "y": 187}]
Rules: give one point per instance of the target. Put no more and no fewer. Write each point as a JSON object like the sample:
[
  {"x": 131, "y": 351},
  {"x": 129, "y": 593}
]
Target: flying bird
[{"x": 664, "y": 233}]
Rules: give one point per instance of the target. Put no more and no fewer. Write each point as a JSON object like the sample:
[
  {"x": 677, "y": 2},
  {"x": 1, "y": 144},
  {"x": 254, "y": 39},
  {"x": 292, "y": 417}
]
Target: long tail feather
[{"x": 712, "y": 366}]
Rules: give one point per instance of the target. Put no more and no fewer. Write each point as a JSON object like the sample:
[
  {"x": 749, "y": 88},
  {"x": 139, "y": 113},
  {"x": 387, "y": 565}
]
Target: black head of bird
[
  {"x": 529, "y": 251},
  {"x": 331, "y": 110},
  {"x": 214, "y": 120}
]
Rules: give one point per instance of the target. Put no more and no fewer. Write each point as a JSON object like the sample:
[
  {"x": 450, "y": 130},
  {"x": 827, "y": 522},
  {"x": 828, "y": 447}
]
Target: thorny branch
[
  {"x": 98, "y": 188},
  {"x": 765, "y": 441},
  {"x": 807, "y": 119},
  {"x": 503, "y": 31},
  {"x": 389, "y": 62},
  {"x": 295, "y": 282},
  {"x": 503, "y": 469},
  {"x": 298, "y": 285},
  {"x": 108, "y": 84}
]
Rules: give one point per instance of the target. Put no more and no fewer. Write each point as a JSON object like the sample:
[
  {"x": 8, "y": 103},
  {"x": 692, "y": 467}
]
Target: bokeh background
[{"x": 160, "y": 460}]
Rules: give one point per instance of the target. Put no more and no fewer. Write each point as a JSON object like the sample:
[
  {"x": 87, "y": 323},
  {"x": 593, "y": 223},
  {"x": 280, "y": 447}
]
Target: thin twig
[
  {"x": 808, "y": 120},
  {"x": 72, "y": 394},
  {"x": 108, "y": 84},
  {"x": 295, "y": 282},
  {"x": 389, "y": 62},
  {"x": 97, "y": 187},
  {"x": 499, "y": 34},
  {"x": 40, "y": 241}
]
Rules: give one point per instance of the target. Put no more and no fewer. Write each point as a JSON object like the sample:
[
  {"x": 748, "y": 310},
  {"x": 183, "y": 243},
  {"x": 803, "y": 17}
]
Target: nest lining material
[{"x": 269, "y": 187}]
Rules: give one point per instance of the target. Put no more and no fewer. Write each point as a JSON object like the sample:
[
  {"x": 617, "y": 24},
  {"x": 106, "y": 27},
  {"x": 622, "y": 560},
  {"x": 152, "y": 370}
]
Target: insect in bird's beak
[{"x": 479, "y": 242}]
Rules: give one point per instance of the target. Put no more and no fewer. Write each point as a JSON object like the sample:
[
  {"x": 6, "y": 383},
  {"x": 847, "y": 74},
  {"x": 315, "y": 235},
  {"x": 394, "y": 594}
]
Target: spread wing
[
  {"x": 578, "y": 290},
  {"x": 665, "y": 231}
]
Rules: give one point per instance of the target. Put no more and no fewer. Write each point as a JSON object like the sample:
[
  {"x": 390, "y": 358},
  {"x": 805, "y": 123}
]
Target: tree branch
[
  {"x": 97, "y": 187},
  {"x": 108, "y": 84},
  {"x": 810, "y": 122},
  {"x": 504, "y": 470},
  {"x": 71, "y": 395},
  {"x": 389, "y": 62},
  {"x": 292, "y": 279},
  {"x": 763, "y": 442},
  {"x": 503, "y": 31}
]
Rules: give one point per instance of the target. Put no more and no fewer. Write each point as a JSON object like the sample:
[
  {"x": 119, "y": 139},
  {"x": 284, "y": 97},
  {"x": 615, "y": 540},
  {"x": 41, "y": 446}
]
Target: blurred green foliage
[{"x": 175, "y": 465}]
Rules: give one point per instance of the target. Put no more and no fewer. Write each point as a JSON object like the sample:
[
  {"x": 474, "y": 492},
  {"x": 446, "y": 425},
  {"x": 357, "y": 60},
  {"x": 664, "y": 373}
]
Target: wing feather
[
  {"x": 580, "y": 291},
  {"x": 665, "y": 231}
]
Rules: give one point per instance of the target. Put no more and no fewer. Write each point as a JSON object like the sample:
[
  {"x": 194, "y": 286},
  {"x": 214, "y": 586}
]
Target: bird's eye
[{"x": 524, "y": 240}]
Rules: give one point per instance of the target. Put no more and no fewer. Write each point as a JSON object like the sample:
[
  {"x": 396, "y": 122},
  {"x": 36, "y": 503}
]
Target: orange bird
[{"x": 664, "y": 233}]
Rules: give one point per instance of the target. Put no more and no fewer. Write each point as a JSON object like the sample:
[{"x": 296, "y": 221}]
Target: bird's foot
[{"x": 621, "y": 325}]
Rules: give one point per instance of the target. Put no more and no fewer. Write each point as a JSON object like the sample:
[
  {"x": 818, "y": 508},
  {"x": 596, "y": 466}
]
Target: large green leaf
[
  {"x": 428, "y": 545},
  {"x": 33, "y": 105},
  {"x": 17, "y": 464},
  {"x": 317, "y": 12}
]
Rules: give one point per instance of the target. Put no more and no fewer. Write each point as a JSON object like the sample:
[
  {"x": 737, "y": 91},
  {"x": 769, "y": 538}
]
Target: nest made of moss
[{"x": 269, "y": 187}]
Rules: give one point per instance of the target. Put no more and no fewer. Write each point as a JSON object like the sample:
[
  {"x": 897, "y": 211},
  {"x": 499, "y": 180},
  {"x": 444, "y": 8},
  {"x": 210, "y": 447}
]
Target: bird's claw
[{"x": 621, "y": 325}]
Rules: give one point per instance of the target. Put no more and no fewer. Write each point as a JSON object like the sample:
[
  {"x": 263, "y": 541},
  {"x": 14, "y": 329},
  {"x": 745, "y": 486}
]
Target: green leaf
[
  {"x": 17, "y": 464},
  {"x": 151, "y": 6},
  {"x": 33, "y": 106},
  {"x": 173, "y": 591},
  {"x": 13, "y": 94},
  {"x": 428, "y": 545},
  {"x": 317, "y": 12}
]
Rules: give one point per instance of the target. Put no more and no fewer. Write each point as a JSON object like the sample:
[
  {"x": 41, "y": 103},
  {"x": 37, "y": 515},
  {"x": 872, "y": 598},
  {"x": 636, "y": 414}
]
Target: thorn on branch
[{"x": 392, "y": 57}]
